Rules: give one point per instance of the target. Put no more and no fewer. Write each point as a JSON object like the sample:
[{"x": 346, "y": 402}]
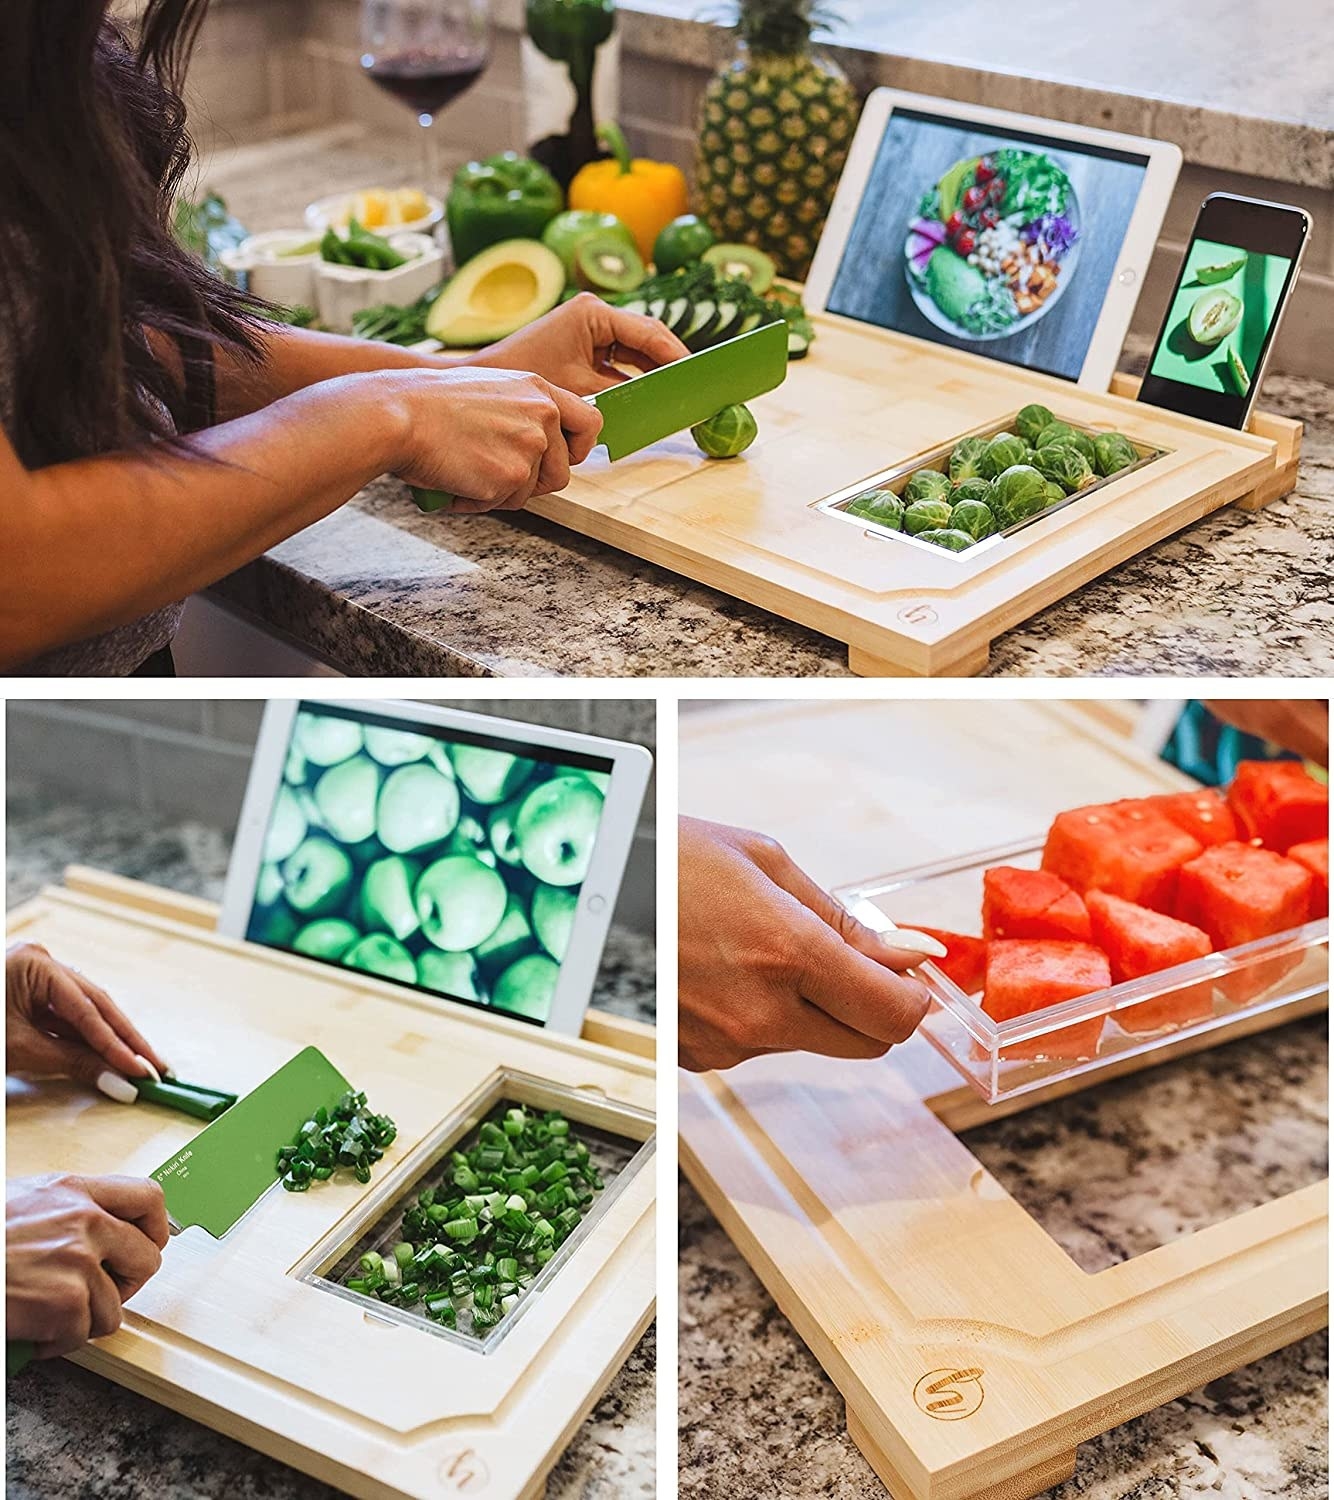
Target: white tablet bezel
[
  {"x": 1160, "y": 175},
  {"x": 630, "y": 767}
]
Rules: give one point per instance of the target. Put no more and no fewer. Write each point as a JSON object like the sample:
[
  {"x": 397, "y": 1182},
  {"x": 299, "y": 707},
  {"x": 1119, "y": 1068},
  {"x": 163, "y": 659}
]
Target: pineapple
[{"x": 776, "y": 125}]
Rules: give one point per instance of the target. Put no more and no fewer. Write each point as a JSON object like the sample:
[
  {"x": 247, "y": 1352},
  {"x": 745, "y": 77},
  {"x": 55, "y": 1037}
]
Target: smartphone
[{"x": 1240, "y": 268}]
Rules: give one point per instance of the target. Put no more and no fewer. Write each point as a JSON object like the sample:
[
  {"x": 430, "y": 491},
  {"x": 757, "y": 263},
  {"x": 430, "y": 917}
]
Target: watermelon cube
[
  {"x": 1031, "y": 904},
  {"x": 1204, "y": 814},
  {"x": 1277, "y": 802},
  {"x": 1315, "y": 858},
  {"x": 1238, "y": 893},
  {"x": 1137, "y": 942},
  {"x": 1132, "y": 854},
  {"x": 966, "y": 960},
  {"x": 1026, "y": 975}
]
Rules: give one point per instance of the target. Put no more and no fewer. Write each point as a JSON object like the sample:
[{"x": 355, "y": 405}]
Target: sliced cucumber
[
  {"x": 637, "y": 305},
  {"x": 678, "y": 312},
  {"x": 657, "y": 307},
  {"x": 704, "y": 313},
  {"x": 797, "y": 345},
  {"x": 750, "y": 322},
  {"x": 730, "y": 319}
]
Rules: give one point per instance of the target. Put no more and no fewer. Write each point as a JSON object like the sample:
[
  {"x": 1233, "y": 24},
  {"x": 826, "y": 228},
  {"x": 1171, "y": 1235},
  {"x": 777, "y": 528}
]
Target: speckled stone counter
[
  {"x": 70, "y": 1433},
  {"x": 380, "y": 589},
  {"x": 1109, "y": 1173}
]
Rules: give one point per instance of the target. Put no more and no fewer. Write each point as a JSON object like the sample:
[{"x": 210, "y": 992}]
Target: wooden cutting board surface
[
  {"x": 973, "y": 1353},
  {"x": 863, "y": 401},
  {"x": 224, "y": 1332}
]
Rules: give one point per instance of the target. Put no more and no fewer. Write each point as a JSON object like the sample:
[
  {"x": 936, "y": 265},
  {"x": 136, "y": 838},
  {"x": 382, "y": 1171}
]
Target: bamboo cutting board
[
  {"x": 973, "y": 1353},
  {"x": 866, "y": 400},
  {"x": 225, "y": 1333}
]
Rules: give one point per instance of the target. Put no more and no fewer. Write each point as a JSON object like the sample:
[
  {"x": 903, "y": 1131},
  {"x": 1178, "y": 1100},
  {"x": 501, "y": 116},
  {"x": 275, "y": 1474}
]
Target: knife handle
[
  {"x": 18, "y": 1355},
  {"x": 432, "y": 500}
]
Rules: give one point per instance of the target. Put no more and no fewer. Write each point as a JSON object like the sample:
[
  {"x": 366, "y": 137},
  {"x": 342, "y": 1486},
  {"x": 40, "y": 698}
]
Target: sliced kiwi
[
  {"x": 605, "y": 263},
  {"x": 742, "y": 263}
]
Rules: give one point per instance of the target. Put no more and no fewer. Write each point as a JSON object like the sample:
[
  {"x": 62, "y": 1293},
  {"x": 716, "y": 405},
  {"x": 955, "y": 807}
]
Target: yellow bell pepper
[{"x": 644, "y": 195}]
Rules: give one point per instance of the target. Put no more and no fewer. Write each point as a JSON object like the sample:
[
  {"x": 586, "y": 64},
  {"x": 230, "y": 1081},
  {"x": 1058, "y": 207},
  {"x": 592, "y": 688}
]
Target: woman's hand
[
  {"x": 768, "y": 962},
  {"x": 579, "y": 344},
  {"x": 76, "y": 1248},
  {"x": 60, "y": 1024},
  {"x": 494, "y": 438}
]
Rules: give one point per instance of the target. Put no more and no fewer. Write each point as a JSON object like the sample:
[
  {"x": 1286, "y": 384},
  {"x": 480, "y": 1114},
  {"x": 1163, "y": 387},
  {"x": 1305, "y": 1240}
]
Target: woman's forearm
[
  {"x": 99, "y": 542},
  {"x": 299, "y": 357}
]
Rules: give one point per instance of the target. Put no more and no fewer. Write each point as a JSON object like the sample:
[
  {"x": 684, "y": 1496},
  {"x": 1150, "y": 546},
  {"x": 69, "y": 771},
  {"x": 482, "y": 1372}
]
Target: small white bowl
[
  {"x": 288, "y": 280},
  {"x": 337, "y": 208},
  {"x": 341, "y": 291}
]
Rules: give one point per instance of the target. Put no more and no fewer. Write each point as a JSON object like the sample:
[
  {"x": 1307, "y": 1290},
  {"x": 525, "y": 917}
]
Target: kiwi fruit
[
  {"x": 742, "y": 263},
  {"x": 605, "y": 263}
]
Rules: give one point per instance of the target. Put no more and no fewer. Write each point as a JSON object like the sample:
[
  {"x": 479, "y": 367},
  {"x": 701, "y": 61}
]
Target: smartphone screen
[{"x": 1239, "y": 269}]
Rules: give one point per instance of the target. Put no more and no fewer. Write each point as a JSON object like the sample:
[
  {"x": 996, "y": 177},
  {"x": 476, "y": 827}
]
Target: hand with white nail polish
[
  {"x": 769, "y": 962},
  {"x": 58, "y": 1023}
]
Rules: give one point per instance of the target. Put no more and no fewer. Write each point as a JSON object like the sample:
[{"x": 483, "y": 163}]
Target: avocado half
[{"x": 496, "y": 293}]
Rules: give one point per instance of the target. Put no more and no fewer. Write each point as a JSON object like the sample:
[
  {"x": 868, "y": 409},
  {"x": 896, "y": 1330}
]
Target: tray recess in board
[
  {"x": 1226, "y": 994},
  {"x": 620, "y": 1140}
]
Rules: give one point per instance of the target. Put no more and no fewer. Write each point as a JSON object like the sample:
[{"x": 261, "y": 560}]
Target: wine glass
[{"x": 426, "y": 53}]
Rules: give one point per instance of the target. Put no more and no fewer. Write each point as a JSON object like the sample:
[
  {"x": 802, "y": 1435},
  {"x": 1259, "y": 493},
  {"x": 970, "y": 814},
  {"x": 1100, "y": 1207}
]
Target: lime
[
  {"x": 680, "y": 243},
  {"x": 726, "y": 435}
]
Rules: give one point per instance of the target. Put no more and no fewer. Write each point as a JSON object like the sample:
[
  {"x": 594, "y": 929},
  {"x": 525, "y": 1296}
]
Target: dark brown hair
[{"x": 93, "y": 148}]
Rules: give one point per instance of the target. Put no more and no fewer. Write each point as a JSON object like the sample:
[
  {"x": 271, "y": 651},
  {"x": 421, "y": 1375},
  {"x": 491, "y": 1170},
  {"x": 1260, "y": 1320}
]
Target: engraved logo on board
[
  {"x": 949, "y": 1395},
  {"x": 464, "y": 1471},
  {"x": 918, "y": 614}
]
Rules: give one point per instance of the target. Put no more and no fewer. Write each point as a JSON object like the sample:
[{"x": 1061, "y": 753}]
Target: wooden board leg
[
  {"x": 1036, "y": 1481},
  {"x": 1283, "y": 482},
  {"x": 865, "y": 664}
]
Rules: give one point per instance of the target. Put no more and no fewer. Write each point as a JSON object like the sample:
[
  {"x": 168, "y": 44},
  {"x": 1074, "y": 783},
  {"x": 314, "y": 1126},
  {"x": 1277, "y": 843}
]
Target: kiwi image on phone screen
[{"x": 448, "y": 864}]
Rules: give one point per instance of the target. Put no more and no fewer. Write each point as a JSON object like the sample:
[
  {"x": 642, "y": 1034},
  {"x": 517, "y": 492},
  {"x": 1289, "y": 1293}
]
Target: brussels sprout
[
  {"x": 881, "y": 506},
  {"x": 971, "y": 489},
  {"x": 922, "y": 515},
  {"x": 726, "y": 434},
  {"x": 1055, "y": 494},
  {"x": 926, "y": 484},
  {"x": 1018, "y": 493},
  {"x": 1112, "y": 452},
  {"x": 973, "y": 517},
  {"x": 1002, "y": 452},
  {"x": 965, "y": 459},
  {"x": 1062, "y": 432},
  {"x": 1066, "y": 465},
  {"x": 955, "y": 541},
  {"x": 1031, "y": 420}
]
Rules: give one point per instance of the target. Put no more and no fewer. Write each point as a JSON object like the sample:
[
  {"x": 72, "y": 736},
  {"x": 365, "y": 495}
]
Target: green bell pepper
[{"x": 505, "y": 197}]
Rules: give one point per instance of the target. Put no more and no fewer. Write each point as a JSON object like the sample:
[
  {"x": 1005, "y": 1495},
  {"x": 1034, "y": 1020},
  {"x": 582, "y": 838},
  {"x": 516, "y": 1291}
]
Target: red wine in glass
[{"x": 427, "y": 81}]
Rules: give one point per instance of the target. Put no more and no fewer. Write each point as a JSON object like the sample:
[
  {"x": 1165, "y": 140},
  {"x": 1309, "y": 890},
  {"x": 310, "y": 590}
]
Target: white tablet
[
  {"x": 1010, "y": 236},
  {"x": 472, "y": 858}
]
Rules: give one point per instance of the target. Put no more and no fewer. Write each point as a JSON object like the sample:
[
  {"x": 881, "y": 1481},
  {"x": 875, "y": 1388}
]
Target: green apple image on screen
[{"x": 451, "y": 865}]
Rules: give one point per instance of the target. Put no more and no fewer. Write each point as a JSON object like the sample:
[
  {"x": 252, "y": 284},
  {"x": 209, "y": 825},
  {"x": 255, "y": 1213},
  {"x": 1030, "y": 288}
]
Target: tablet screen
[
  {"x": 997, "y": 241},
  {"x": 441, "y": 858}
]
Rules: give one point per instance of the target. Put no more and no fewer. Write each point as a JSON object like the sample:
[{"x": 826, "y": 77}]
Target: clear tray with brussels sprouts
[{"x": 991, "y": 483}]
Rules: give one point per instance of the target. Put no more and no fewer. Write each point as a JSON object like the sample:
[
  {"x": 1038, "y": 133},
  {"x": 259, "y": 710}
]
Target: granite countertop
[
  {"x": 1109, "y": 1173},
  {"x": 380, "y": 589},
  {"x": 69, "y": 1432}
]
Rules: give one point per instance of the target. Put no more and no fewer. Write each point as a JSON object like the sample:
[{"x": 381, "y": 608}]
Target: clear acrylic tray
[
  {"x": 620, "y": 1138},
  {"x": 896, "y": 478},
  {"x": 1220, "y": 993}
]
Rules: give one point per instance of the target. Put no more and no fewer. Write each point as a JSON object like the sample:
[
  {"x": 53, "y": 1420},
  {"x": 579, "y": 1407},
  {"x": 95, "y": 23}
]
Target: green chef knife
[
  {"x": 216, "y": 1178},
  {"x": 667, "y": 400}
]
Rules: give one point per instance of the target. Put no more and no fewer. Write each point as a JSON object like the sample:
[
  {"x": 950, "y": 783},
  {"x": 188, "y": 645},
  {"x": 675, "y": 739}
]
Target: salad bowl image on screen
[
  {"x": 437, "y": 857},
  {"x": 997, "y": 240}
]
